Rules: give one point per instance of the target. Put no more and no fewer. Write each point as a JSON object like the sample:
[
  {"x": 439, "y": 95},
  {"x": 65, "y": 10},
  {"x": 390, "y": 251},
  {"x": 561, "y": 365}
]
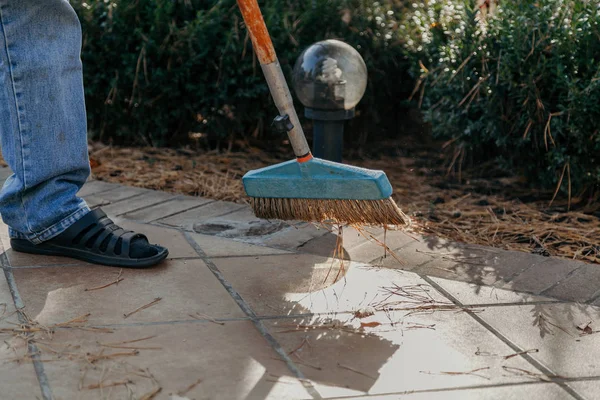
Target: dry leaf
[
  {"x": 369, "y": 324},
  {"x": 364, "y": 312},
  {"x": 586, "y": 329}
]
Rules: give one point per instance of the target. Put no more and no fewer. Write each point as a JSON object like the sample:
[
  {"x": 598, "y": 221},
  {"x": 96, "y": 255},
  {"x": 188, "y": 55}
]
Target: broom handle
[{"x": 263, "y": 47}]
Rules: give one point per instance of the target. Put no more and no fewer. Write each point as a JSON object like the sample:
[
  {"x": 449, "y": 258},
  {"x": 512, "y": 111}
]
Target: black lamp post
[{"x": 330, "y": 78}]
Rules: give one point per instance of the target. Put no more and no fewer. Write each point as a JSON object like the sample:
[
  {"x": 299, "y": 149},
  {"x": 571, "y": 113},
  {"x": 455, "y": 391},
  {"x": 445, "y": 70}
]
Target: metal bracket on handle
[{"x": 282, "y": 124}]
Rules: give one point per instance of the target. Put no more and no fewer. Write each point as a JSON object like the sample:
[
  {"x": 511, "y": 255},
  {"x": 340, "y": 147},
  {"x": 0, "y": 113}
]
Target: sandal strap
[
  {"x": 100, "y": 228},
  {"x": 93, "y": 217},
  {"x": 127, "y": 238},
  {"x": 112, "y": 244},
  {"x": 104, "y": 224}
]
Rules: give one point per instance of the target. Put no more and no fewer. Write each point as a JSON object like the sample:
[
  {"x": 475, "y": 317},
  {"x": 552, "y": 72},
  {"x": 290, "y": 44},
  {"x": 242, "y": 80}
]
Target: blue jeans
[{"x": 42, "y": 118}]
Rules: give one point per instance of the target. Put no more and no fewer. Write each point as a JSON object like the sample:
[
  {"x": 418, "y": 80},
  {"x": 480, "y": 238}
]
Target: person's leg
[
  {"x": 42, "y": 118},
  {"x": 44, "y": 141}
]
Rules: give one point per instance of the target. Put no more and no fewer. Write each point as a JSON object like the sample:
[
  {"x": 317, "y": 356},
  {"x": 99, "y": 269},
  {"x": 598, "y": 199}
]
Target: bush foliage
[
  {"x": 157, "y": 70},
  {"x": 521, "y": 86}
]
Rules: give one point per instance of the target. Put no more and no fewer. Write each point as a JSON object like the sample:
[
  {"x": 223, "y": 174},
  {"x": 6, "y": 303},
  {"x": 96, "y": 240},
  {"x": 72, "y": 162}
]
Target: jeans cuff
[{"x": 54, "y": 230}]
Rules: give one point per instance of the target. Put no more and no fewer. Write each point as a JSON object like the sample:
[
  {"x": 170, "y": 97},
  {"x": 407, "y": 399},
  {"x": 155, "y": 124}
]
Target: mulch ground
[{"x": 498, "y": 211}]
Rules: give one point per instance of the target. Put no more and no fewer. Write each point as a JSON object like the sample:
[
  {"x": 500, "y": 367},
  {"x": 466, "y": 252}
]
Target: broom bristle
[{"x": 344, "y": 212}]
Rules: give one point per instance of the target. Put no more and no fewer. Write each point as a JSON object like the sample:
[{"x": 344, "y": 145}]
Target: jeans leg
[{"x": 42, "y": 117}]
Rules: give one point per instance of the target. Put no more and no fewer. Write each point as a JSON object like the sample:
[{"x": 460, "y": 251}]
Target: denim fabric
[{"x": 42, "y": 117}]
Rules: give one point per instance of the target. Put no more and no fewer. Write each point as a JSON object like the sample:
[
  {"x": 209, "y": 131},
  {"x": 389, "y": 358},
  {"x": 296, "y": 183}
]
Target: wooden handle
[
  {"x": 263, "y": 46},
  {"x": 264, "y": 50}
]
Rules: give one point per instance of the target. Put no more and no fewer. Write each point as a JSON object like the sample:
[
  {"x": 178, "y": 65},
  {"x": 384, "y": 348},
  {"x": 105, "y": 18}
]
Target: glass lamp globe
[{"x": 330, "y": 75}]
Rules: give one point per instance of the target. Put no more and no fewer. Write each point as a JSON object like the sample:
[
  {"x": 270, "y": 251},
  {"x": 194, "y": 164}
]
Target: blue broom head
[{"x": 317, "y": 179}]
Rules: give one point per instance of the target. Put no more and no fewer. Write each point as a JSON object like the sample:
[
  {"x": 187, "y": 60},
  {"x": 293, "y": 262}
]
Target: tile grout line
[
  {"x": 450, "y": 389},
  {"x": 111, "y": 202},
  {"x": 557, "y": 283},
  {"x": 536, "y": 364},
  {"x": 99, "y": 191},
  {"x": 32, "y": 349},
  {"x": 158, "y": 203},
  {"x": 257, "y": 322},
  {"x": 181, "y": 211}
]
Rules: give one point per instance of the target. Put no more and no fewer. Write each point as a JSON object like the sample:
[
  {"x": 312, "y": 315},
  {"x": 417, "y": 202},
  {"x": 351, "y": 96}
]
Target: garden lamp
[{"x": 329, "y": 78}]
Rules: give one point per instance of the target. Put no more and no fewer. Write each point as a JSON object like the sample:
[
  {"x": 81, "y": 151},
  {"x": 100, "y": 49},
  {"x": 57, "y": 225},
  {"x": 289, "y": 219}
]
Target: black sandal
[{"x": 96, "y": 239}]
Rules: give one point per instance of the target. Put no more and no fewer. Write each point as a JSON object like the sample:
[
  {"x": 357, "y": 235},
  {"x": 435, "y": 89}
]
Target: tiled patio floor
[{"x": 251, "y": 309}]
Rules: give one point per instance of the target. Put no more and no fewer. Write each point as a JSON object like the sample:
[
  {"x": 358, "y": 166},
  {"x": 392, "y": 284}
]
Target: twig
[
  {"x": 105, "y": 385},
  {"x": 93, "y": 358},
  {"x": 521, "y": 353},
  {"x": 153, "y": 302},
  {"x": 132, "y": 347},
  {"x": 157, "y": 389},
  {"x": 201, "y": 317},
  {"x": 116, "y": 282},
  {"x": 78, "y": 320},
  {"x": 301, "y": 361},
  {"x": 150, "y": 395},
  {"x": 189, "y": 388},
  {"x": 472, "y": 372},
  {"x": 300, "y": 328},
  {"x": 524, "y": 372},
  {"x": 127, "y": 341},
  {"x": 356, "y": 371},
  {"x": 484, "y": 353},
  {"x": 543, "y": 319},
  {"x": 542, "y": 250},
  {"x": 304, "y": 341}
]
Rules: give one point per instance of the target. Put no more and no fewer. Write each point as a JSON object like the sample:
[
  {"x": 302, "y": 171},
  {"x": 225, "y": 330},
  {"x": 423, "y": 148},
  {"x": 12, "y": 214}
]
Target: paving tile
[
  {"x": 57, "y": 294},
  {"x": 582, "y": 286},
  {"x": 92, "y": 187},
  {"x": 163, "y": 210},
  {"x": 303, "y": 283},
  {"x": 294, "y": 237},
  {"x": 136, "y": 203},
  {"x": 472, "y": 294},
  {"x": 552, "y": 329},
  {"x": 543, "y": 275},
  {"x": 188, "y": 219},
  {"x": 220, "y": 247},
  {"x": 231, "y": 361},
  {"x": 406, "y": 352},
  {"x": 546, "y": 391}
]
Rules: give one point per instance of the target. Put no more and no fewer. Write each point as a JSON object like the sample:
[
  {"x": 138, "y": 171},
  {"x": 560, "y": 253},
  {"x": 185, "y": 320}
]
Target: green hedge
[
  {"x": 157, "y": 70},
  {"x": 521, "y": 87}
]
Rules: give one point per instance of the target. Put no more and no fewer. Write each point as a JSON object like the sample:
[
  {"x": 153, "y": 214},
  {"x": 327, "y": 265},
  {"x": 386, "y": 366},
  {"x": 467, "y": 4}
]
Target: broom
[{"x": 310, "y": 189}]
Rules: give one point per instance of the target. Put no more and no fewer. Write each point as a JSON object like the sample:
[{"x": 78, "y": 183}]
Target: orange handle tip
[{"x": 305, "y": 158}]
